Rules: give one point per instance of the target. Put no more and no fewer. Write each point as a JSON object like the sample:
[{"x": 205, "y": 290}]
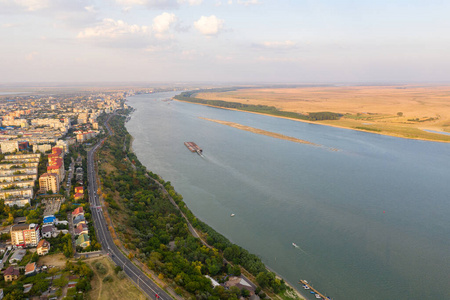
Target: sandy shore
[{"x": 263, "y": 132}]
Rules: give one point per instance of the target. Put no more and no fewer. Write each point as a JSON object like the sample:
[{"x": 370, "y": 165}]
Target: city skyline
[{"x": 237, "y": 41}]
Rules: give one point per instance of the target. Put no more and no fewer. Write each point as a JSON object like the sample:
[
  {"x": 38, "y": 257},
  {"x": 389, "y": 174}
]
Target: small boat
[
  {"x": 317, "y": 296},
  {"x": 306, "y": 287},
  {"x": 295, "y": 245},
  {"x": 232, "y": 215}
]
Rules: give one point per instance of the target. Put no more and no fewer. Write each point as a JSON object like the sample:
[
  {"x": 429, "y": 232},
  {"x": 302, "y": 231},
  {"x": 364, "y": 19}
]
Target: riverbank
[
  {"x": 406, "y": 133},
  {"x": 124, "y": 211}
]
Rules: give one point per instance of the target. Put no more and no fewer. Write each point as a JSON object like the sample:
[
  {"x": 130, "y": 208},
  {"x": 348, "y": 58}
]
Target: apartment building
[
  {"x": 25, "y": 235},
  {"x": 17, "y": 193},
  {"x": 49, "y": 182},
  {"x": 9, "y": 146}
]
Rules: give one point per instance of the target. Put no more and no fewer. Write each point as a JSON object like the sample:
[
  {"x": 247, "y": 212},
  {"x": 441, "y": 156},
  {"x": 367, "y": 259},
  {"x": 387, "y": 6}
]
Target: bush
[
  {"x": 101, "y": 268},
  {"x": 121, "y": 275},
  {"x": 108, "y": 279}
]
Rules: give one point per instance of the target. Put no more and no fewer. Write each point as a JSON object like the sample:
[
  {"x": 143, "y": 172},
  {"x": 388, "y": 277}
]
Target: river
[{"x": 371, "y": 220}]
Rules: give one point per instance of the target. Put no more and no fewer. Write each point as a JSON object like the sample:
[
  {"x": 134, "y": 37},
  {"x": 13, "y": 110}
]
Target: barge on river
[{"x": 193, "y": 147}]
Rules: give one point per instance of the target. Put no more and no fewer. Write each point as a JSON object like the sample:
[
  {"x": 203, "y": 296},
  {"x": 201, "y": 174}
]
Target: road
[{"x": 105, "y": 239}]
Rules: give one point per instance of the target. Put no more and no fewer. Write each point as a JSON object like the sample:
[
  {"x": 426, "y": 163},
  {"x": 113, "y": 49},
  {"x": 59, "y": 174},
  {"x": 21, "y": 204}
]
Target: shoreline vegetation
[
  {"x": 397, "y": 125},
  {"x": 151, "y": 229}
]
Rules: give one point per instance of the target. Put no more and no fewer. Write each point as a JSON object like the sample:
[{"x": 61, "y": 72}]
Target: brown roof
[
  {"x": 20, "y": 227},
  {"x": 11, "y": 271},
  {"x": 48, "y": 228}
]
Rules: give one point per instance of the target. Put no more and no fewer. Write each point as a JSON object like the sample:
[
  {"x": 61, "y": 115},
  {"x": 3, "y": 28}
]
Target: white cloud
[
  {"x": 209, "y": 26},
  {"x": 112, "y": 29},
  {"x": 163, "y": 23},
  {"x": 278, "y": 59},
  {"x": 248, "y": 2},
  {"x": 90, "y": 9},
  {"x": 148, "y": 3},
  {"x": 32, "y": 5},
  {"x": 224, "y": 58},
  {"x": 190, "y": 2},
  {"x": 191, "y": 55},
  {"x": 284, "y": 45},
  {"x": 10, "y": 25}
]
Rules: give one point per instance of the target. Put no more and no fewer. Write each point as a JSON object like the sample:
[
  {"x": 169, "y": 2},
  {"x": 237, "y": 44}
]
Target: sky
[{"x": 261, "y": 41}]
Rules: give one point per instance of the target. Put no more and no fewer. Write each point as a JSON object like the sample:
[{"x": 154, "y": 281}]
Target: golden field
[{"x": 368, "y": 108}]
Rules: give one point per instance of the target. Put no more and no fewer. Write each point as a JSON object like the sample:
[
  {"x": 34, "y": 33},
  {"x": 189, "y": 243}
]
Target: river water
[{"x": 371, "y": 220}]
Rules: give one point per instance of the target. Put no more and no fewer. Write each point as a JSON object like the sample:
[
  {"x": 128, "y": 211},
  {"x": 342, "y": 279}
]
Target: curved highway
[{"x": 105, "y": 239}]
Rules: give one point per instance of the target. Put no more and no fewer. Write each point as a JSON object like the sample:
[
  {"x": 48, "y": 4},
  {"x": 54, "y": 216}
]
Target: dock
[{"x": 304, "y": 282}]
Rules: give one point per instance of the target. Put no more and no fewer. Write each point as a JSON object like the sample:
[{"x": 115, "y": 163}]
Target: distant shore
[{"x": 319, "y": 123}]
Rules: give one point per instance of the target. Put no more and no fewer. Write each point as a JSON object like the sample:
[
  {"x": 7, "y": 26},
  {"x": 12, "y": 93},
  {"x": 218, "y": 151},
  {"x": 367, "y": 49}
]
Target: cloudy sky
[{"x": 302, "y": 41}]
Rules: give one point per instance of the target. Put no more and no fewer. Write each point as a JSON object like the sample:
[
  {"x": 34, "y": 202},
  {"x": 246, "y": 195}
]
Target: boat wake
[{"x": 297, "y": 247}]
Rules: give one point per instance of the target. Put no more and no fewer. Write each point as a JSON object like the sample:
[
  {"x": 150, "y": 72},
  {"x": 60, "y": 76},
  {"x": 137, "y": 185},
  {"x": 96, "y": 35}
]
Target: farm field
[{"x": 403, "y": 111}]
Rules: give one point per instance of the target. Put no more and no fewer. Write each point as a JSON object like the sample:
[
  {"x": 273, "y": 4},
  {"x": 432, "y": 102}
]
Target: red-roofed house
[
  {"x": 78, "y": 196},
  {"x": 79, "y": 189},
  {"x": 77, "y": 212},
  {"x": 30, "y": 269},
  {"x": 43, "y": 247}
]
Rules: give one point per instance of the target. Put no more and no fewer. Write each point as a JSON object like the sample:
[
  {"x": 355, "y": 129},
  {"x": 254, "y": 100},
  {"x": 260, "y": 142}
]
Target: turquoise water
[{"x": 371, "y": 220}]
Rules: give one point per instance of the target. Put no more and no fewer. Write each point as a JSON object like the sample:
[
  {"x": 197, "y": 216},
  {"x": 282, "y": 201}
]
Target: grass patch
[
  {"x": 368, "y": 128},
  {"x": 109, "y": 285}
]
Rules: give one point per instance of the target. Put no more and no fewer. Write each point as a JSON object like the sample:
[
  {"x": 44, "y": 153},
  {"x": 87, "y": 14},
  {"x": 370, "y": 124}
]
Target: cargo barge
[{"x": 193, "y": 147}]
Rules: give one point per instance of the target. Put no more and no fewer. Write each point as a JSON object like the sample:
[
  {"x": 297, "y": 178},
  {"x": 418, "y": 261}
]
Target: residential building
[
  {"x": 83, "y": 241},
  {"x": 17, "y": 256},
  {"x": 58, "y": 150},
  {"x": 64, "y": 145},
  {"x": 11, "y": 274},
  {"x": 78, "y": 211},
  {"x": 17, "y": 193},
  {"x": 43, "y": 247},
  {"x": 30, "y": 269},
  {"x": 20, "y": 202},
  {"x": 57, "y": 168},
  {"x": 49, "y": 231},
  {"x": 81, "y": 229},
  {"x": 49, "y": 182},
  {"x": 25, "y": 235},
  {"x": 79, "y": 189},
  {"x": 9, "y": 146},
  {"x": 78, "y": 220},
  {"x": 78, "y": 196},
  {"x": 42, "y": 148},
  {"x": 22, "y": 156},
  {"x": 16, "y": 184},
  {"x": 50, "y": 219}
]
